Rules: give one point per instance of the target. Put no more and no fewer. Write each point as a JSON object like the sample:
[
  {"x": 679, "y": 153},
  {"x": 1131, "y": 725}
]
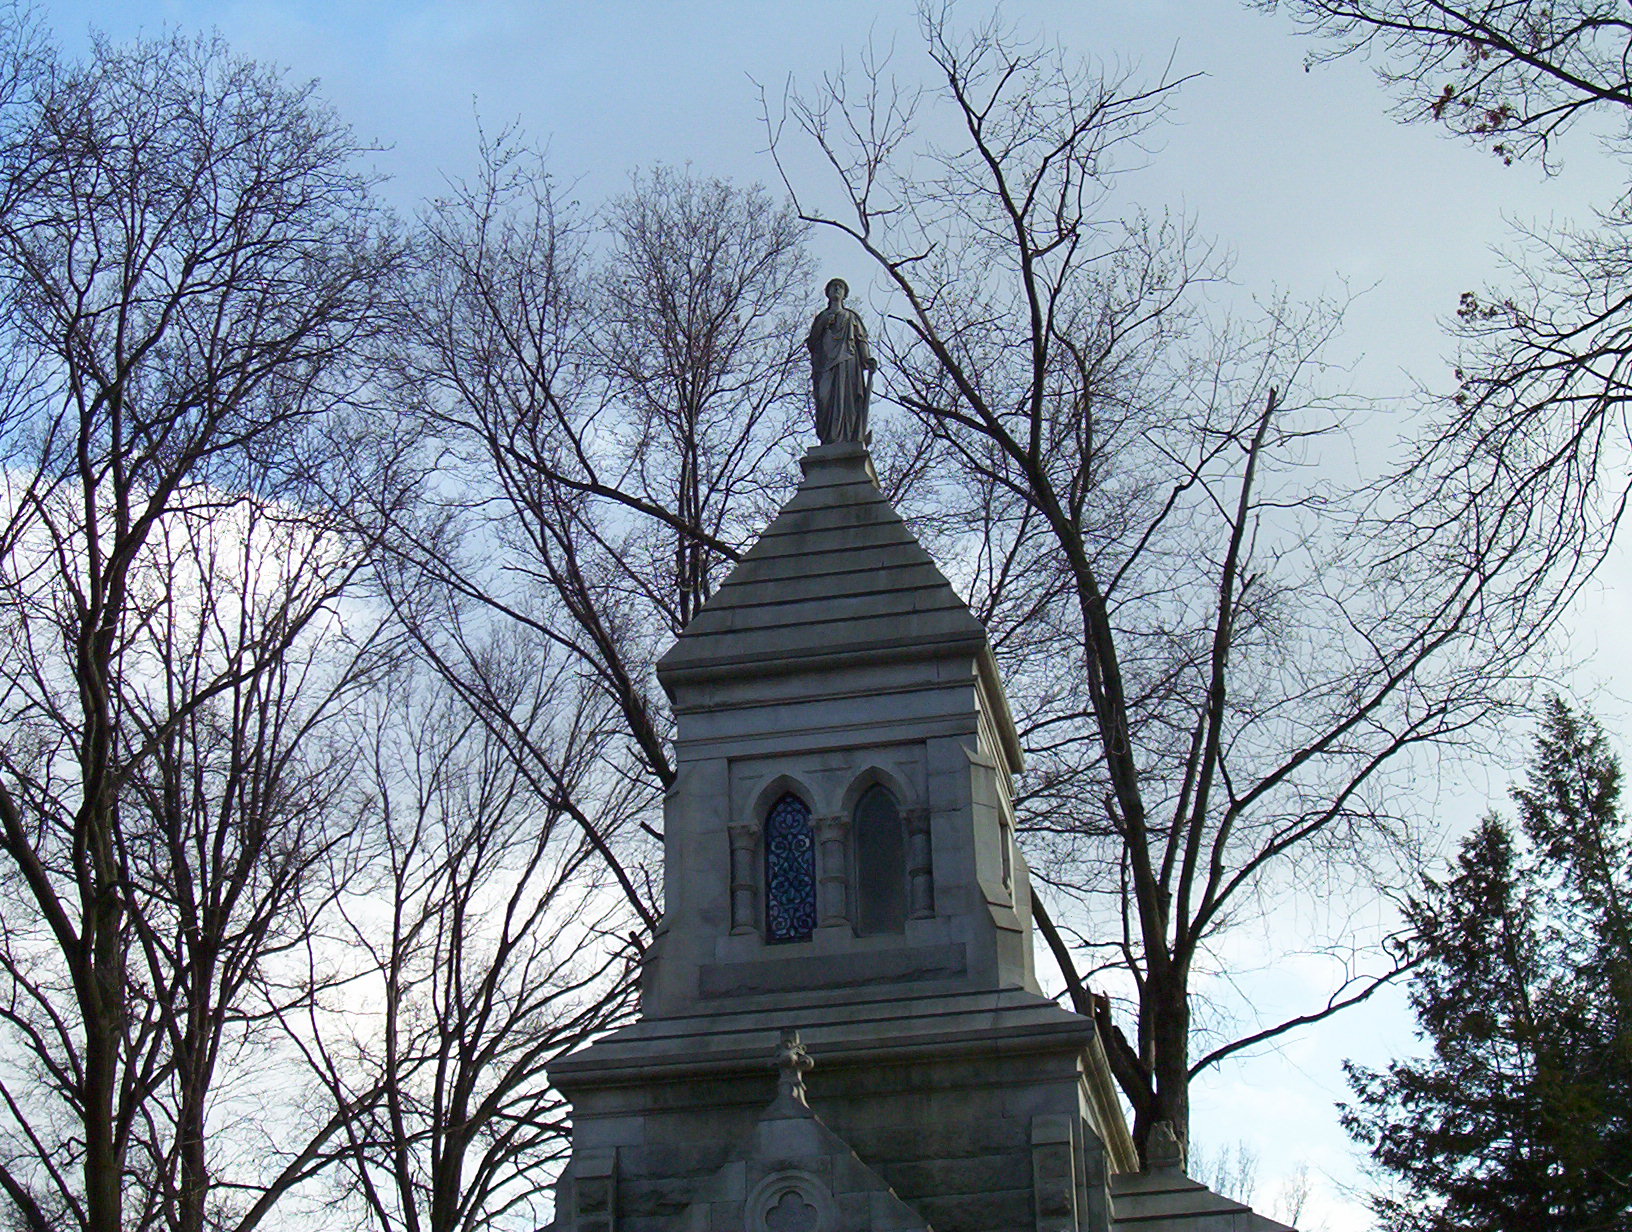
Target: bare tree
[
  {"x": 189, "y": 269},
  {"x": 697, "y": 323},
  {"x": 613, "y": 395},
  {"x": 1529, "y": 448},
  {"x": 1293, "y": 1198},
  {"x": 1240, "y": 664},
  {"x": 1233, "y": 1173},
  {"x": 496, "y": 943},
  {"x": 1513, "y": 74}
]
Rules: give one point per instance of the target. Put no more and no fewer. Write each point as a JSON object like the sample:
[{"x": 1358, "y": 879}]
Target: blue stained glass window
[{"x": 790, "y": 871}]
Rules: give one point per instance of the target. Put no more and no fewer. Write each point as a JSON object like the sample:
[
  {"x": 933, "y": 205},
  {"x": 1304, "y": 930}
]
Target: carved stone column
[
  {"x": 920, "y": 865},
  {"x": 744, "y": 878},
  {"x": 833, "y": 834}
]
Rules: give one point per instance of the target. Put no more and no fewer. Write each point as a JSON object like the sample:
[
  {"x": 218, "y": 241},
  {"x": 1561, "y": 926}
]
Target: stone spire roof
[
  {"x": 836, "y": 579},
  {"x": 836, "y": 575}
]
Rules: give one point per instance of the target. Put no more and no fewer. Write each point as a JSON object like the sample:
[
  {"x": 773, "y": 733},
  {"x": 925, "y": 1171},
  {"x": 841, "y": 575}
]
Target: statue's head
[{"x": 837, "y": 289}]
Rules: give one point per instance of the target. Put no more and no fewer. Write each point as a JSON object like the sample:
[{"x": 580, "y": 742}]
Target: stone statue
[{"x": 841, "y": 368}]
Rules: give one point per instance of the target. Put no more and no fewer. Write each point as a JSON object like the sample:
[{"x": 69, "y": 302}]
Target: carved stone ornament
[
  {"x": 795, "y": 1063},
  {"x": 791, "y": 1200},
  {"x": 1164, "y": 1152}
]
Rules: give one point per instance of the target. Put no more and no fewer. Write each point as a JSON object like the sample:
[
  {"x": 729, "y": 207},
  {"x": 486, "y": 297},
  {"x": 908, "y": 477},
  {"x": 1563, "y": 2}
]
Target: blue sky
[{"x": 1300, "y": 174}]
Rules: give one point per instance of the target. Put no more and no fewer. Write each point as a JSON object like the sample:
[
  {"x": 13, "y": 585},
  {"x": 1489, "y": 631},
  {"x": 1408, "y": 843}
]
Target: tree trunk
[
  {"x": 1167, "y": 995},
  {"x": 194, "y": 1179},
  {"x": 104, "y": 1163}
]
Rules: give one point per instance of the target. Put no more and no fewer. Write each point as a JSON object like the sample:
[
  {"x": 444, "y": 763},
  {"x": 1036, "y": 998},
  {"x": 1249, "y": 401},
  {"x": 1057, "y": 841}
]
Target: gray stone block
[
  {"x": 1002, "y": 1209},
  {"x": 657, "y": 1196},
  {"x": 692, "y": 1156},
  {"x": 590, "y": 1132},
  {"x": 962, "y": 1174}
]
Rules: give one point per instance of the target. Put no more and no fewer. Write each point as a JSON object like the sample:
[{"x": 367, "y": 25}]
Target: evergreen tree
[{"x": 1517, "y": 1121}]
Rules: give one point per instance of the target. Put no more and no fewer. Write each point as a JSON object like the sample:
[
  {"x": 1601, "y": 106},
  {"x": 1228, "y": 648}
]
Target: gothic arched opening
[{"x": 881, "y": 865}]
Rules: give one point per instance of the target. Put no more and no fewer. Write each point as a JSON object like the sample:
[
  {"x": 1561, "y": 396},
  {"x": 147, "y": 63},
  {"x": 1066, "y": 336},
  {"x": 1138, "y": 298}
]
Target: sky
[{"x": 1294, "y": 169}]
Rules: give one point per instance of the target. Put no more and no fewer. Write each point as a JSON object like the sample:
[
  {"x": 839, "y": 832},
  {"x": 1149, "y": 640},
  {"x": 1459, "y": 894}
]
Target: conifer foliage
[{"x": 1519, "y": 1116}]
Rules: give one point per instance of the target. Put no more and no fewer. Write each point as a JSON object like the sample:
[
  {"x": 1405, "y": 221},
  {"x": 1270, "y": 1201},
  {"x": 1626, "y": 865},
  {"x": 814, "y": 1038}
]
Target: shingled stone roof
[
  {"x": 836, "y": 577},
  {"x": 1166, "y": 1200}
]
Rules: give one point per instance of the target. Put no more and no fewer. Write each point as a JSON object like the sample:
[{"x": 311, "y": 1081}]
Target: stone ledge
[
  {"x": 795, "y": 655},
  {"x": 930, "y": 1026},
  {"x": 832, "y": 609}
]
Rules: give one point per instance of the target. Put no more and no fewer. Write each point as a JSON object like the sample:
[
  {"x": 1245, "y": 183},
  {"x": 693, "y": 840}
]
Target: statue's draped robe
[{"x": 838, "y": 373}]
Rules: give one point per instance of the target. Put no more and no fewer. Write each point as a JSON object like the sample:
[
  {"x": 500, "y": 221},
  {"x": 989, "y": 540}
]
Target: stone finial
[
  {"x": 1164, "y": 1152},
  {"x": 795, "y": 1063}
]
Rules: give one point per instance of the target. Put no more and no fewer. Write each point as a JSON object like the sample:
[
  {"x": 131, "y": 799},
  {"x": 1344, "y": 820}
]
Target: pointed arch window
[
  {"x": 790, "y": 871},
  {"x": 881, "y": 866}
]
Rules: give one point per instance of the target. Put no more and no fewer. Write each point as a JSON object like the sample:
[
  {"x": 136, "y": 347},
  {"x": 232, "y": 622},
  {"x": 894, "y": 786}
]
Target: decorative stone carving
[
  {"x": 790, "y": 1200},
  {"x": 1164, "y": 1152},
  {"x": 841, "y": 368},
  {"x": 920, "y": 865},
  {"x": 795, "y": 1063},
  {"x": 792, "y": 1213}
]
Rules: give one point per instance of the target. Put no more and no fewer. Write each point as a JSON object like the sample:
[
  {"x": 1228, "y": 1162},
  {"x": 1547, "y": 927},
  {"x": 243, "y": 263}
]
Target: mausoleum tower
[
  {"x": 840, "y": 863},
  {"x": 841, "y": 828}
]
